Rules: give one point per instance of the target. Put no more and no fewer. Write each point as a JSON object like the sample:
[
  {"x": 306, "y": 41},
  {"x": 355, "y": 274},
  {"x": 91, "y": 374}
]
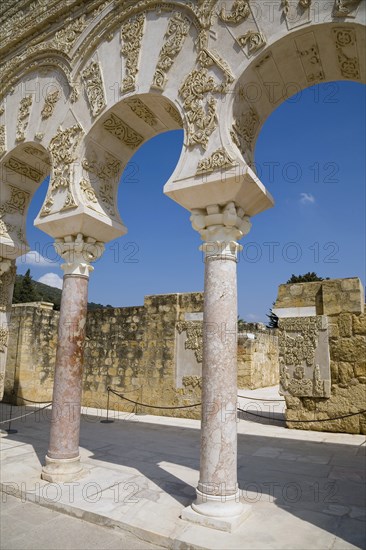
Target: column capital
[
  {"x": 5, "y": 265},
  {"x": 221, "y": 226},
  {"x": 78, "y": 253}
]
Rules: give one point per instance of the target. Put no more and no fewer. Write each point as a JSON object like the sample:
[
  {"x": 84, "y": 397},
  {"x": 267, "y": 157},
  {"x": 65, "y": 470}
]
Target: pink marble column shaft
[{"x": 67, "y": 389}]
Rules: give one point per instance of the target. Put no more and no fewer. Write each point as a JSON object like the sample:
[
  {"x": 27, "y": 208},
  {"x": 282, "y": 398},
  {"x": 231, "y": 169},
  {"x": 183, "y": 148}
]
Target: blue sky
[{"x": 310, "y": 155}]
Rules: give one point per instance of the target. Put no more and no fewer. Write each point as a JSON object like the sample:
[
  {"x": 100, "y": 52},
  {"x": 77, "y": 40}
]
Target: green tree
[
  {"x": 309, "y": 277},
  {"x": 25, "y": 290},
  {"x": 273, "y": 319}
]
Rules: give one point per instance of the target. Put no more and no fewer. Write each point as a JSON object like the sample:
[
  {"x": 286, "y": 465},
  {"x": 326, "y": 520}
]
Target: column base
[
  {"x": 62, "y": 470},
  {"x": 217, "y": 512}
]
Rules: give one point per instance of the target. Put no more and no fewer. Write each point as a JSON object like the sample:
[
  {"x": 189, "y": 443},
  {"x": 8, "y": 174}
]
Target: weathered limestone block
[
  {"x": 359, "y": 324},
  {"x": 348, "y": 349}
]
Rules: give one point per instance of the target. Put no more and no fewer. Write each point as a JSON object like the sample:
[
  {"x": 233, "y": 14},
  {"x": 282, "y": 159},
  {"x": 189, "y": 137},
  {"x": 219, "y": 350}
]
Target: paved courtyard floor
[{"x": 306, "y": 489}]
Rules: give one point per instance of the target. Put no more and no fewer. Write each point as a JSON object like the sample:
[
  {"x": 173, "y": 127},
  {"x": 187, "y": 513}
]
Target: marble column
[
  {"x": 218, "y": 502},
  {"x": 62, "y": 463},
  {"x": 7, "y": 279}
]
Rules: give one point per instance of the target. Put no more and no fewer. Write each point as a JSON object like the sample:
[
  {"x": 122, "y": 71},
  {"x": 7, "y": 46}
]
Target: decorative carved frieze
[
  {"x": 253, "y": 41},
  {"x": 2, "y": 139},
  {"x": 30, "y": 150},
  {"x": 245, "y": 129},
  {"x": 17, "y": 202},
  {"x": 4, "y": 335},
  {"x": 142, "y": 111},
  {"x": 304, "y": 357},
  {"x": 345, "y": 42},
  {"x": 123, "y": 131},
  {"x": 65, "y": 38},
  {"x": 178, "y": 28},
  {"x": 194, "y": 331},
  {"x": 219, "y": 159},
  {"x": 172, "y": 111},
  {"x": 108, "y": 173},
  {"x": 24, "y": 169},
  {"x": 62, "y": 149},
  {"x": 345, "y": 8},
  {"x": 23, "y": 117},
  {"x": 109, "y": 169},
  {"x": 240, "y": 11},
  {"x": 308, "y": 51},
  {"x": 50, "y": 103},
  {"x": 201, "y": 114},
  {"x": 94, "y": 87},
  {"x": 131, "y": 37}
]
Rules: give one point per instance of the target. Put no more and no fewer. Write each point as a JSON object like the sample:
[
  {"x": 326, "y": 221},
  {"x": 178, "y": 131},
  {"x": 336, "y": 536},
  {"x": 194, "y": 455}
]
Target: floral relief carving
[
  {"x": 23, "y": 117},
  {"x": 108, "y": 172},
  {"x": 345, "y": 8},
  {"x": 194, "y": 331},
  {"x": 50, "y": 103},
  {"x": 178, "y": 28},
  {"x": 4, "y": 335},
  {"x": 62, "y": 149},
  {"x": 310, "y": 57},
  {"x": 142, "y": 111},
  {"x": 94, "y": 87},
  {"x": 240, "y": 11},
  {"x": 17, "y": 203},
  {"x": 65, "y": 38},
  {"x": 219, "y": 159},
  {"x": 299, "y": 343},
  {"x": 345, "y": 42},
  {"x": 24, "y": 169},
  {"x": 123, "y": 131},
  {"x": 131, "y": 37},
  {"x": 88, "y": 191},
  {"x": 172, "y": 111},
  {"x": 245, "y": 129},
  {"x": 2, "y": 139},
  {"x": 253, "y": 41},
  {"x": 201, "y": 114}
]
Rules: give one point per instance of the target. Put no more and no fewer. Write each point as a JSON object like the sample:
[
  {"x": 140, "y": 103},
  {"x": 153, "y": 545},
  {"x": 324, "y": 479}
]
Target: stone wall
[
  {"x": 322, "y": 343},
  {"x": 151, "y": 353}
]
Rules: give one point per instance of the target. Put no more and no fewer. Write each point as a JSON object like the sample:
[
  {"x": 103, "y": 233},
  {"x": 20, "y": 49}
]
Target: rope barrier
[
  {"x": 152, "y": 406},
  {"x": 259, "y": 399},
  {"x": 238, "y": 408},
  {"x": 27, "y": 414},
  {"x": 35, "y": 402},
  {"x": 304, "y": 421}
]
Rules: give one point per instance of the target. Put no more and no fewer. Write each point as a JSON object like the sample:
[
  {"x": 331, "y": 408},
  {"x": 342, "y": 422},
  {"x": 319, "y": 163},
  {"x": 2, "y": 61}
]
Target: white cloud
[
  {"x": 51, "y": 279},
  {"x": 35, "y": 259},
  {"x": 307, "y": 198},
  {"x": 252, "y": 317}
]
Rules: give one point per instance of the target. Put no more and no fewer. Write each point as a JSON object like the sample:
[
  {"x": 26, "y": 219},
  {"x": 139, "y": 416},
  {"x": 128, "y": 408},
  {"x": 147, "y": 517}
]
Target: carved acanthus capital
[
  {"x": 78, "y": 253},
  {"x": 221, "y": 227}
]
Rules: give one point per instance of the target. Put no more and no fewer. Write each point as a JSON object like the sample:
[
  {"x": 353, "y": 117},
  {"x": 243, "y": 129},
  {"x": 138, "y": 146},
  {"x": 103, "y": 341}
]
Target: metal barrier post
[{"x": 107, "y": 420}]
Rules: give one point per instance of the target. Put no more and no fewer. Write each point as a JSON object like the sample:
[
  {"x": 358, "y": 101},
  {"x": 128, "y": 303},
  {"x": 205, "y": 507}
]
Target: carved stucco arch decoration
[
  {"x": 23, "y": 65},
  {"x": 218, "y": 47},
  {"x": 320, "y": 53},
  {"x": 22, "y": 169}
]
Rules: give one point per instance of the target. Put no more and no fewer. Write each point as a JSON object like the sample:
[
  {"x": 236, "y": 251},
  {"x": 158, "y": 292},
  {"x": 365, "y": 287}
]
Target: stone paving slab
[{"x": 306, "y": 489}]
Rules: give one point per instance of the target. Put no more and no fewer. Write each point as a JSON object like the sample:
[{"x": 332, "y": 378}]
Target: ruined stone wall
[
  {"x": 150, "y": 353},
  {"x": 322, "y": 343},
  {"x": 31, "y": 351},
  {"x": 258, "y": 359}
]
